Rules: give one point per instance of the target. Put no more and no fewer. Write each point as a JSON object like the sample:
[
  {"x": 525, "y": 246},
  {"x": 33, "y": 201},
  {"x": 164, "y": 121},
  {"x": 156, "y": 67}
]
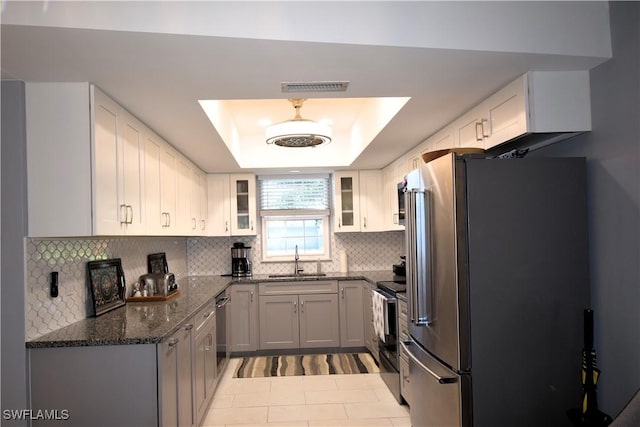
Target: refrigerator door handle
[
  {"x": 419, "y": 256},
  {"x": 441, "y": 379}
]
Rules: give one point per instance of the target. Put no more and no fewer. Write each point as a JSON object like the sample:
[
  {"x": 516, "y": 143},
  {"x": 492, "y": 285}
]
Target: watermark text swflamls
[{"x": 36, "y": 414}]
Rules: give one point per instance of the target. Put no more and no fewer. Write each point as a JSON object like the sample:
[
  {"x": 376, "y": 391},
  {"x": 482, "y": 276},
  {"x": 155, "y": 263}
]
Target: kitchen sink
[{"x": 293, "y": 276}]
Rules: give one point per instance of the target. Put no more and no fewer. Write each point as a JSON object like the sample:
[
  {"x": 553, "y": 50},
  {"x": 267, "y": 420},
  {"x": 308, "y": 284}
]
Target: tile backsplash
[
  {"x": 69, "y": 258},
  {"x": 365, "y": 252},
  {"x": 185, "y": 256}
]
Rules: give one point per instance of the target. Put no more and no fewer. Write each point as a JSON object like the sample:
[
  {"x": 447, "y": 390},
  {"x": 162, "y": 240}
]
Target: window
[{"x": 294, "y": 212}]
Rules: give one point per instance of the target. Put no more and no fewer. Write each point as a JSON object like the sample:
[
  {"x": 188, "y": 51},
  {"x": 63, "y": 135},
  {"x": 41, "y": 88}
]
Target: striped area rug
[{"x": 308, "y": 364}]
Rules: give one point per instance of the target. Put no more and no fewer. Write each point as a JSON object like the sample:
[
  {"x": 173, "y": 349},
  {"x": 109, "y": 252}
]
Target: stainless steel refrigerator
[{"x": 497, "y": 280}]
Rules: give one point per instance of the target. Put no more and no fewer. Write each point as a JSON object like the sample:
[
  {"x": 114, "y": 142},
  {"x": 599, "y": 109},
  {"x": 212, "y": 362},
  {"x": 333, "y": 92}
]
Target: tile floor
[{"x": 305, "y": 401}]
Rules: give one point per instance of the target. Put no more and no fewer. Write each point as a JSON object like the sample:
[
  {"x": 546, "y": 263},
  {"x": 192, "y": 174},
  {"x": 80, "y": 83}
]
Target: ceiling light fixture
[{"x": 298, "y": 132}]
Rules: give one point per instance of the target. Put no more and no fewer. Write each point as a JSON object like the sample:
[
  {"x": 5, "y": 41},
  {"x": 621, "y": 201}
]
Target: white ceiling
[{"x": 157, "y": 59}]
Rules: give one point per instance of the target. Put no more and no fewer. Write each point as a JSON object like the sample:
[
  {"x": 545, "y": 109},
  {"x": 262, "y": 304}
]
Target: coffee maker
[{"x": 240, "y": 260}]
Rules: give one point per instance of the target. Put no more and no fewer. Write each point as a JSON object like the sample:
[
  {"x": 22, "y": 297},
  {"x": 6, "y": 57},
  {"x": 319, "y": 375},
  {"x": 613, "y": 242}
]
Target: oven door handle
[
  {"x": 388, "y": 300},
  {"x": 223, "y": 301}
]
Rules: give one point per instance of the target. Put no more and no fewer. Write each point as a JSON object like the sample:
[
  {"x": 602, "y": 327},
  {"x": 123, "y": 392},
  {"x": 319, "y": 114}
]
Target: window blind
[{"x": 301, "y": 193}]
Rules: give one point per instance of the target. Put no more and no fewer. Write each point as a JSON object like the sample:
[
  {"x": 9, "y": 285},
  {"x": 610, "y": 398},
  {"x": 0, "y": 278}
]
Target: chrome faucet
[{"x": 296, "y": 257}]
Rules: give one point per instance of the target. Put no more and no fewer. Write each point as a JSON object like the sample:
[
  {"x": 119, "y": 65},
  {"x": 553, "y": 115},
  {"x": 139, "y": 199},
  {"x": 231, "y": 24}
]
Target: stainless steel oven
[
  {"x": 389, "y": 346},
  {"x": 222, "y": 336}
]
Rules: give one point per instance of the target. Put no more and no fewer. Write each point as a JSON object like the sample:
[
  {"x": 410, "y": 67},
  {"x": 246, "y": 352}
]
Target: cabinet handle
[
  {"x": 479, "y": 128},
  {"x": 208, "y": 314},
  {"x": 130, "y": 209},
  {"x": 194, "y": 223},
  {"x": 123, "y": 214},
  {"x": 168, "y": 219},
  {"x": 251, "y": 296},
  {"x": 339, "y": 222},
  {"x": 485, "y": 130},
  {"x": 342, "y": 292},
  {"x": 365, "y": 221},
  {"x": 295, "y": 306},
  {"x": 395, "y": 218},
  {"x": 226, "y": 226},
  {"x": 203, "y": 224},
  {"x": 209, "y": 343},
  {"x": 301, "y": 306},
  {"x": 188, "y": 327},
  {"x": 251, "y": 225},
  {"x": 172, "y": 342}
]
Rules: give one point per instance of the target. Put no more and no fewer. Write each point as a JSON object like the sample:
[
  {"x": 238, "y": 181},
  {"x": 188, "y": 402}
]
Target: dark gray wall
[
  {"x": 612, "y": 150},
  {"x": 14, "y": 229}
]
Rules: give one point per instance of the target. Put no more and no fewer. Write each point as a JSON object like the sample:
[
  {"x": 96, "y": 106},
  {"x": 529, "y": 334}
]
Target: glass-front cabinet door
[
  {"x": 346, "y": 201},
  {"x": 243, "y": 204}
]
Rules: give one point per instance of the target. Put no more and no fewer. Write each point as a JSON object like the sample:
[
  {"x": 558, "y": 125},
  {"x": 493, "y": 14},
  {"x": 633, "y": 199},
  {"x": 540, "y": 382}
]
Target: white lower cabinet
[{"x": 299, "y": 315}]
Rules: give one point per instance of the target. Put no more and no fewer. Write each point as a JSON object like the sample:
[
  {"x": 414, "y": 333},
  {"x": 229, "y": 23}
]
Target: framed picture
[
  {"x": 107, "y": 285},
  {"x": 157, "y": 263}
]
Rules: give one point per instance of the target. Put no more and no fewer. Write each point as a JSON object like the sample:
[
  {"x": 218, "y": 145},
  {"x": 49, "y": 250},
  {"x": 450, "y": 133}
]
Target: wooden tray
[{"x": 153, "y": 297}]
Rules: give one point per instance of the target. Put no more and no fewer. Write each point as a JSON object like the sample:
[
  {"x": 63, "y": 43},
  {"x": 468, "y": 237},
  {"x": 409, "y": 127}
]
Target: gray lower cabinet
[
  {"x": 279, "y": 322},
  {"x": 319, "y": 321},
  {"x": 204, "y": 362},
  {"x": 176, "y": 392},
  {"x": 169, "y": 384},
  {"x": 351, "y": 313},
  {"x": 99, "y": 386},
  {"x": 299, "y": 315},
  {"x": 244, "y": 317}
]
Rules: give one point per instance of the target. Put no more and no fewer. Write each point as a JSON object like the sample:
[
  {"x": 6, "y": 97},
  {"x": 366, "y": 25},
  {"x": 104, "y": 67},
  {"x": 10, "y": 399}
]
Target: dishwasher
[{"x": 222, "y": 335}]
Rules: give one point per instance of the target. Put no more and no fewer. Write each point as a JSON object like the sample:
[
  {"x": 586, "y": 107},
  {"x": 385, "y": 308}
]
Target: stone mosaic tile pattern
[
  {"x": 365, "y": 252},
  {"x": 69, "y": 257}
]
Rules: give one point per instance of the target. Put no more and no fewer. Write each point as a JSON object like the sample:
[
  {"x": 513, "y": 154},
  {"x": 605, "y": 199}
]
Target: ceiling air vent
[{"x": 314, "y": 86}]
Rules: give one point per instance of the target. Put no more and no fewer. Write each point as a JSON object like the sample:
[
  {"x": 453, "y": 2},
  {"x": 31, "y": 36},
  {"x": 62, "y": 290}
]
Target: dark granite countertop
[{"x": 153, "y": 322}]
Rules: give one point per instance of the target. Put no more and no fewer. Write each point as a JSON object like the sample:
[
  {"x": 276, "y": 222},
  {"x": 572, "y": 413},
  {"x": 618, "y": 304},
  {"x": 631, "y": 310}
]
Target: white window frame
[
  {"x": 325, "y": 217},
  {"x": 297, "y": 214}
]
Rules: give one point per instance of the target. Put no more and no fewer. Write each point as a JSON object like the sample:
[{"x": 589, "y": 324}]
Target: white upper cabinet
[
  {"x": 154, "y": 216},
  {"x": 232, "y": 208},
  {"x": 371, "y": 200},
  {"x": 346, "y": 201},
  {"x": 58, "y": 122},
  {"x": 185, "y": 222},
  {"x": 169, "y": 189},
  {"x": 358, "y": 201},
  {"x": 545, "y": 102},
  {"x": 203, "y": 204},
  {"x": 219, "y": 205},
  {"x": 109, "y": 214},
  {"x": 118, "y": 146},
  {"x": 94, "y": 169},
  {"x": 131, "y": 143},
  {"x": 242, "y": 194}
]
